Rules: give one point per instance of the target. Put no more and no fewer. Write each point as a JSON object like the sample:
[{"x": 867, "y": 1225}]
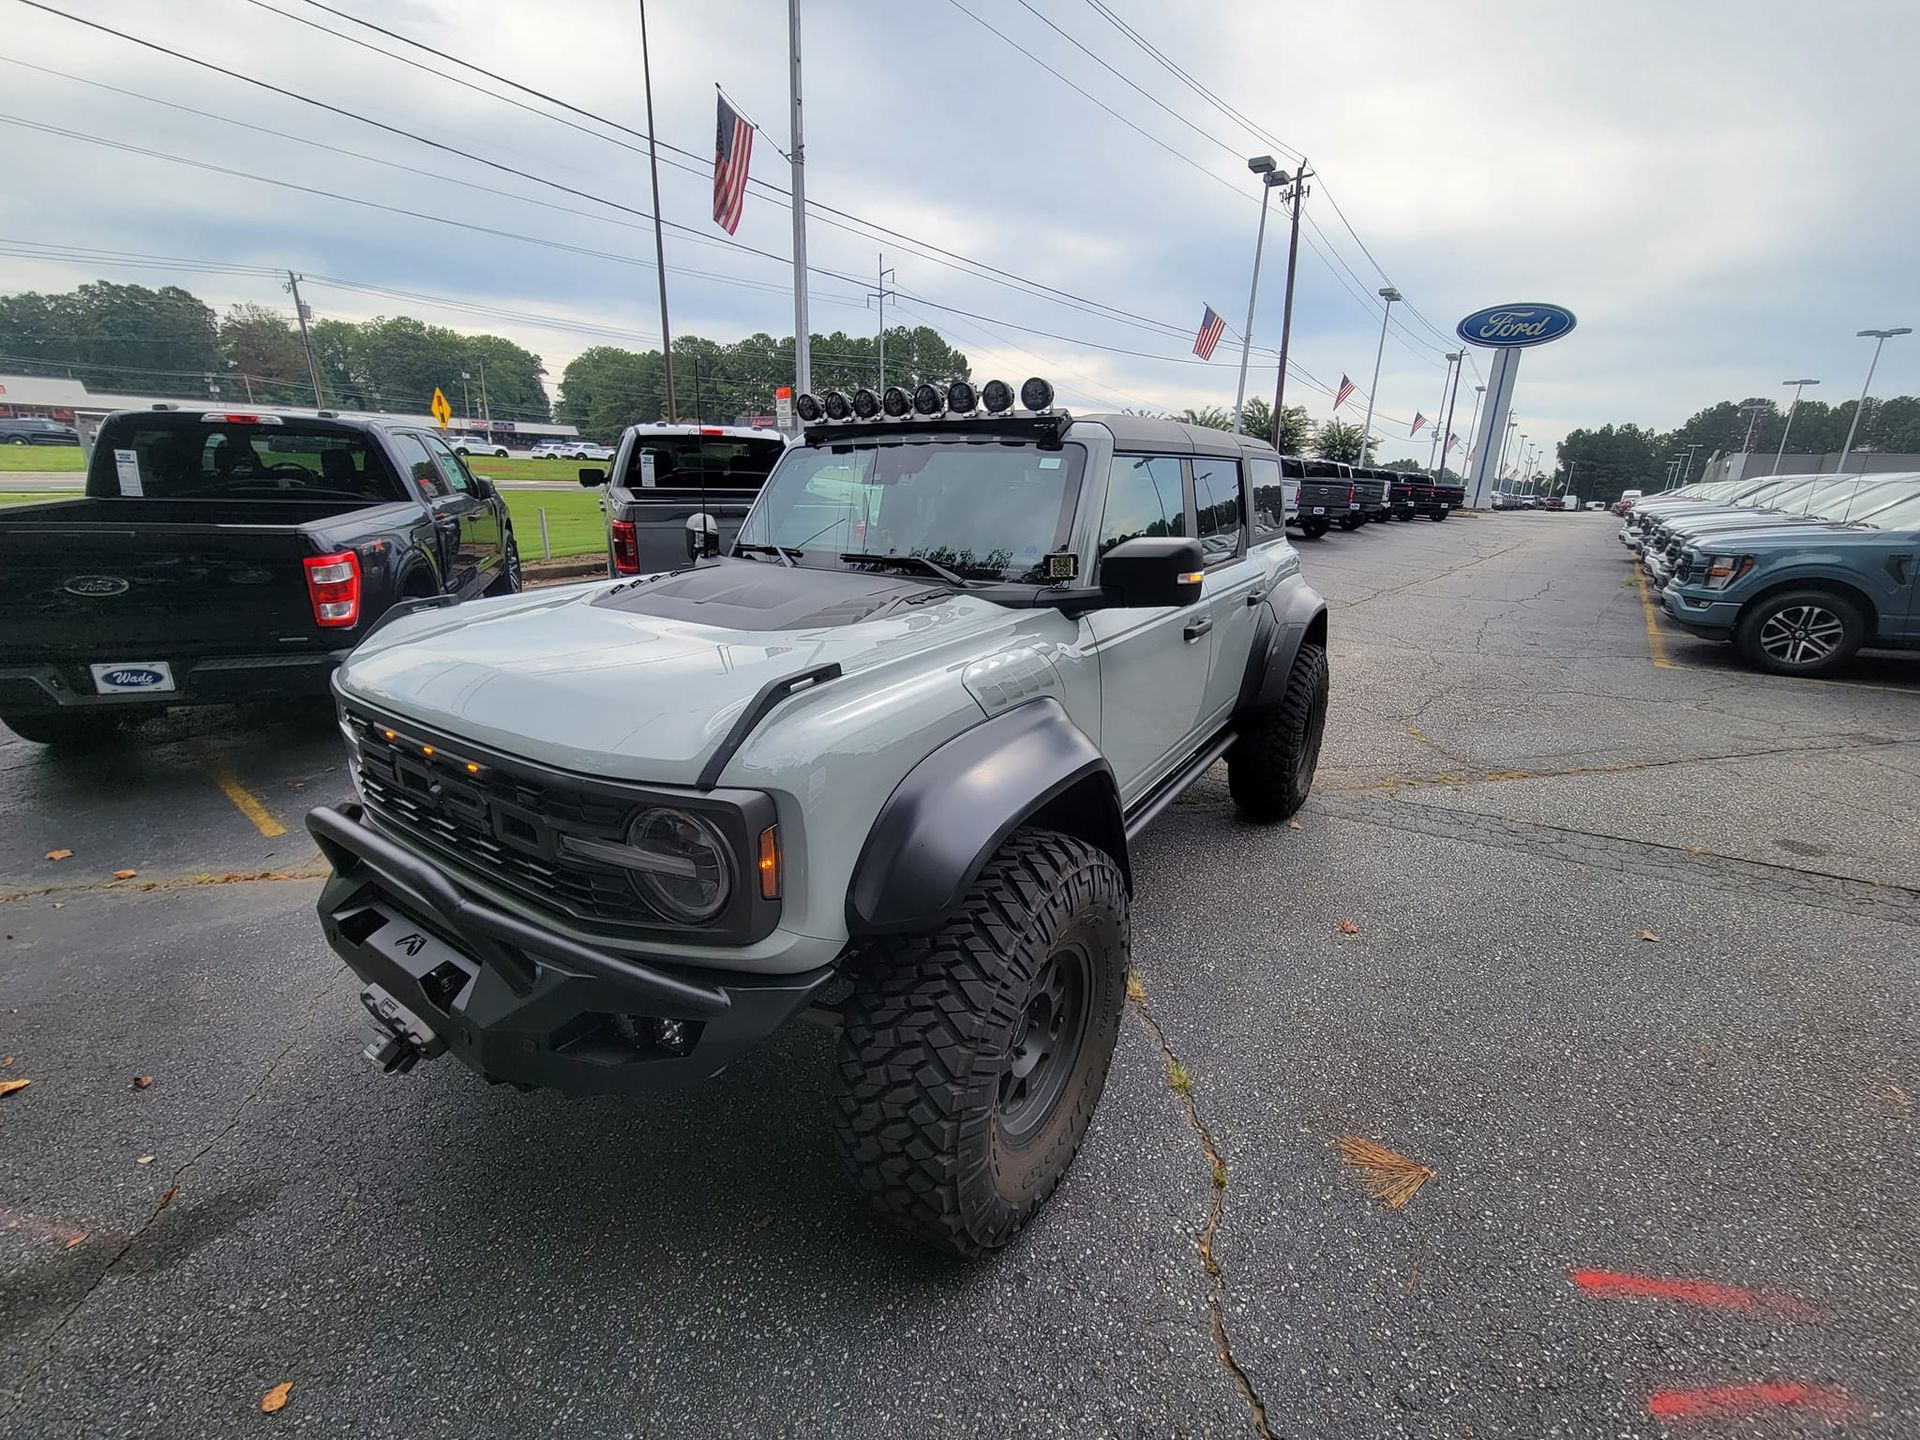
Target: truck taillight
[
  {"x": 333, "y": 583},
  {"x": 626, "y": 549}
]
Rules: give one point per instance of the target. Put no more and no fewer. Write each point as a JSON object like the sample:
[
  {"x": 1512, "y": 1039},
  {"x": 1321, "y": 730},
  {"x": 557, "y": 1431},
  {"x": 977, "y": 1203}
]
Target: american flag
[
  {"x": 1418, "y": 421},
  {"x": 1212, "y": 325},
  {"x": 1452, "y": 440},
  {"x": 732, "y": 149},
  {"x": 1340, "y": 395}
]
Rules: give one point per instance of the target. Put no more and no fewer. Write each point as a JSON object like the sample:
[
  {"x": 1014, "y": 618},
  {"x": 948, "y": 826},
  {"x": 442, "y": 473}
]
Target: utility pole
[
  {"x": 1299, "y": 192},
  {"x": 1261, "y": 165},
  {"x": 881, "y": 294},
  {"x": 802, "y": 338},
  {"x": 1389, "y": 294},
  {"x": 306, "y": 340},
  {"x": 466, "y": 400},
  {"x": 1446, "y": 381},
  {"x": 486, "y": 411},
  {"x": 659, "y": 243}
]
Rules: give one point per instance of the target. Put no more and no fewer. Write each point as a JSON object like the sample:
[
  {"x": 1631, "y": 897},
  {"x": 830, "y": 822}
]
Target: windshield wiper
[
  {"x": 786, "y": 554},
  {"x": 925, "y": 564}
]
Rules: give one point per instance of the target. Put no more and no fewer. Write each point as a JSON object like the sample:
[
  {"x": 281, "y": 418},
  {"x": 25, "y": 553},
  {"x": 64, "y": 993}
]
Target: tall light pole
[
  {"x": 1787, "y": 429},
  {"x": 1473, "y": 429},
  {"x": 1687, "y": 474},
  {"x": 797, "y": 157},
  {"x": 659, "y": 241},
  {"x": 1500, "y": 461},
  {"x": 1389, "y": 295},
  {"x": 1880, "y": 338},
  {"x": 1753, "y": 413},
  {"x": 1261, "y": 165},
  {"x": 1520, "y": 459},
  {"x": 466, "y": 400},
  {"x": 1439, "y": 422}
]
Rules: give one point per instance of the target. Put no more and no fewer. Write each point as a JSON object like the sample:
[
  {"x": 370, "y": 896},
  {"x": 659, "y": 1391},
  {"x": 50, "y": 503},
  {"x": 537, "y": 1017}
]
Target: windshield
[
  {"x": 1885, "y": 513},
  {"x": 181, "y": 457},
  {"x": 985, "y": 510}
]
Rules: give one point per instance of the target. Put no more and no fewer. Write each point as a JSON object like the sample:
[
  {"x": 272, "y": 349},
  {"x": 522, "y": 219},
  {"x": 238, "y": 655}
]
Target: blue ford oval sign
[{"x": 1508, "y": 327}]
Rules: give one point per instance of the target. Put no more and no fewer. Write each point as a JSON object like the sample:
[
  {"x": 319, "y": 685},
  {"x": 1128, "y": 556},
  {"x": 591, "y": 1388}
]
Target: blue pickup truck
[{"x": 1802, "y": 599}]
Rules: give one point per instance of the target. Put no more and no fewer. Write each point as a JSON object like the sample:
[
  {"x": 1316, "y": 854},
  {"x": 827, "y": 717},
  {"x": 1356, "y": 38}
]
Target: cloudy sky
[{"x": 1723, "y": 193}]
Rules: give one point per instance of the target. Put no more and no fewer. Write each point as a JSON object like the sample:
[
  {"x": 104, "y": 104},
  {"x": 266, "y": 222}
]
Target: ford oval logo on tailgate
[
  {"x": 134, "y": 677},
  {"x": 1507, "y": 327},
  {"x": 95, "y": 585}
]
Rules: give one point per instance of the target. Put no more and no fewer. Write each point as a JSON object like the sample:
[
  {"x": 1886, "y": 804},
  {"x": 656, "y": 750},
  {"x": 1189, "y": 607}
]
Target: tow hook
[{"x": 400, "y": 1039}]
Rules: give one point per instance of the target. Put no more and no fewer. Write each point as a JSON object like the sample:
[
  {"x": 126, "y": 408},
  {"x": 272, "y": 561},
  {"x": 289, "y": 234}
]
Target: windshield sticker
[
  {"x": 1050, "y": 464},
  {"x": 646, "y": 470},
  {"x": 127, "y": 464}
]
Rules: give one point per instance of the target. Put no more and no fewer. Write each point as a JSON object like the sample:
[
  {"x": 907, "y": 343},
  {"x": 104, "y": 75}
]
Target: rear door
[{"x": 1235, "y": 581}]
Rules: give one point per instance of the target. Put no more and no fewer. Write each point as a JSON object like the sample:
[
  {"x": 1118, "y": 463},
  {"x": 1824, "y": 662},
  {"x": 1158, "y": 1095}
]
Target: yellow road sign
[{"x": 442, "y": 411}]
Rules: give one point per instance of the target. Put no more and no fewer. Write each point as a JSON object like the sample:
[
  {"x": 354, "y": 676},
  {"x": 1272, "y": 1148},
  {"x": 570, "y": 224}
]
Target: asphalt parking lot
[{"x": 1674, "y": 1177}]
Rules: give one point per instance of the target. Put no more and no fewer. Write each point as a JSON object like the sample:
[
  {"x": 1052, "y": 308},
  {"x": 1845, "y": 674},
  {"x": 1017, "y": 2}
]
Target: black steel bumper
[
  {"x": 516, "y": 1002},
  {"x": 55, "y": 686}
]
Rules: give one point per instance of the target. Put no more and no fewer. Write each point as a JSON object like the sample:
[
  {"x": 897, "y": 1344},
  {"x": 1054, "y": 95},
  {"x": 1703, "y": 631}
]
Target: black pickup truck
[
  {"x": 1407, "y": 490},
  {"x": 1326, "y": 494},
  {"x": 1447, "y": 498},
  {"x": 222, "y": 555},
  {"x": 680, "y": 491}
]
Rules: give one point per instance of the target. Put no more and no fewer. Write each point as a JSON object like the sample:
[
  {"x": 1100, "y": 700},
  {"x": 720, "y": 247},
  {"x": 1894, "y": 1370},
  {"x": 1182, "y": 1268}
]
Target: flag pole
[
  {"x": 802, "y": 338},
  {"x": 659, "y": 242}
]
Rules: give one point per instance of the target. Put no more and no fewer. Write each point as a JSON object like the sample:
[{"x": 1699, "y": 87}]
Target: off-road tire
[
  {"x": 1765, "y": 634},
  {"x": 930, "y": 1111},
  {"x": 78, "y": 731},
  {"x": 511, "y": 577},
  {"x": 1270, "y": 767}
]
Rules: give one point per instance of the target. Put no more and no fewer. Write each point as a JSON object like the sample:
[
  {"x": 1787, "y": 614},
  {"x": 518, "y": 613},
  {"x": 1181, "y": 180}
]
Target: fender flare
[
  {"x": 1292, "y": 613},
  {"x": 944, "y": 821}
]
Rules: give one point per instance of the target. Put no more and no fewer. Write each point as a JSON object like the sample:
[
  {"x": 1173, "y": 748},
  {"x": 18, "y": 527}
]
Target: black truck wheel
[
  {"x": 75, "y": 731},
  {"x": 971, "y": 1058},
  {"x": 510, "y": 579},
  {"x": 1270, "y": 767},
  {"x": 1439, "y": 515},
  {"x": 1351, "y": 522},
  {"x": 1800, "y": 632},
  {"x": 1313, "y": 529}
]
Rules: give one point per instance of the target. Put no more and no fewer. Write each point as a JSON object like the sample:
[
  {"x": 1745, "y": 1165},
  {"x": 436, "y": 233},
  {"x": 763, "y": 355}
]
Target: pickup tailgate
[
  {"x": 660, "y": 522},
  {"x": 109, "y": 580}
]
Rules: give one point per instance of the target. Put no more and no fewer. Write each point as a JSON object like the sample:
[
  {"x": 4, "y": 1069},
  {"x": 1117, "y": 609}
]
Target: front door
[
  {"x": 1153, "y": 663},
  {"x": 452, "y": 540},
  {"x": 482, "y": 543}
]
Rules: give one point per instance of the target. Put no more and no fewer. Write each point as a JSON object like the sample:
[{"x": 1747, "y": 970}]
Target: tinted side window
[
  {"x": 1216, "y": 505},
  {"x": 451, "y": 468},
  {"x": 1269, "y": 498},
  {"x": 414, "y": 459},
  {"x": 1143, "y": 499}
]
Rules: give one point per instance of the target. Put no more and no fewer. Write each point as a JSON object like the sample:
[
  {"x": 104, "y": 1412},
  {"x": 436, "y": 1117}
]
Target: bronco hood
[{"x": 642, "y": 680}]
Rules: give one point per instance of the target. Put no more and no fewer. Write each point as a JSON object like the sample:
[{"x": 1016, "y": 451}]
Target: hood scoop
[{"x": 754, "y": 595}]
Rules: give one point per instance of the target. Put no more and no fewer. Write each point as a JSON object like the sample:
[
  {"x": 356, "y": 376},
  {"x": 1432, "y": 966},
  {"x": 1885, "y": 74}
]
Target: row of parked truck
[
  {"x": 1798, "y": 572},
  {"x": 1329, "y": 493}
]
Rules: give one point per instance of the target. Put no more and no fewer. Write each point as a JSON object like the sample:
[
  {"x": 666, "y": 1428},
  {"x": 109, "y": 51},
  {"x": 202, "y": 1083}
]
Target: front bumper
[
  {"x": 1700, "y": 610},
  {"x": 55, "y": 686},
  {"x": 521, "y": 1004}
]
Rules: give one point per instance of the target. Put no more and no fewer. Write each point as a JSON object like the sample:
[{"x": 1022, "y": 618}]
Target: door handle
[
  {"x": 1897, "y": 567},
  {"x": 1254, "y": 597},
  {"x": 1198, "y": 628}
]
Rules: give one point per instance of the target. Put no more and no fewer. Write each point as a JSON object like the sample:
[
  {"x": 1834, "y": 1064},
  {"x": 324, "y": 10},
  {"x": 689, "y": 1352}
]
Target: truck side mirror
[
  {"x": 591, "y": 476},
  {"x": 1152, "y": 571}
]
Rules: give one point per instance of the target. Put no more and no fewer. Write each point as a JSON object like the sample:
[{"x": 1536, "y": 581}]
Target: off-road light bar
[
  {"x": 958, "y": 398},
  {"x": 997, "y": 396},
  {"x": 926, "y": 401},
  {"x": 961, "y": 398},
  {"x": 896, "y": 402},
  {"x": 807, "y": 408},
  {"x": 1036, "y": 394},
  {"x": 866, "y": 404},
  {"x": 837, "y": 406}
]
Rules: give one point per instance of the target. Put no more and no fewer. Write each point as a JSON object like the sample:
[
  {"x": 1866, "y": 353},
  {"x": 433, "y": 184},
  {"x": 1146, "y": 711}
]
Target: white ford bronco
[{"x": 882, "y": 761}]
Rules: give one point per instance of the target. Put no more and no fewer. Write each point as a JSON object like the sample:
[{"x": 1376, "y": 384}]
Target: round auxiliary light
[
  {"x": 896, "y": 402},
  {"x": 807, "y": 408},
  {"x": 866, "y": 404},
  {"x": 997, "y": 396},
  {"x": 926, "y": 401},
  {"x": 1036, "y": 394},
  {"x": 837, "y": 406},
  {"x": 961, "y": 398}
]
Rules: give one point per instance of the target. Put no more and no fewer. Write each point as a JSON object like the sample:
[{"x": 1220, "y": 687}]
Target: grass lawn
[
  {"x": 561, "y": 472},
  {"x": 573, "y": 521},
  {"x": 34, "y": 497},
  {"x": 45, "y": 458}
]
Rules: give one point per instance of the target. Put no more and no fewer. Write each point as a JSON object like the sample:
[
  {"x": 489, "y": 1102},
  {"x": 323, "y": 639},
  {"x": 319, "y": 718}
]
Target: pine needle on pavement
[{"x": 1390, "y": 1177}]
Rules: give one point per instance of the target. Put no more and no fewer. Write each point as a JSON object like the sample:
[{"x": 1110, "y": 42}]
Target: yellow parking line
[
  {"x": 244, "y": 801},
  {"x": 1655, "y": 640}
]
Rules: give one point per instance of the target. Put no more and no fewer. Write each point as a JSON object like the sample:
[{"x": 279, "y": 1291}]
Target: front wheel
[
  {"x": 510, "y": 579},
  {"x": 972, "y": 1058},
  {"x": 1800, "y": 632},
  {"x": 16, "y": 439},
  {"x": 76, "y": 731},
  {"x": 1270, "y": 767}
]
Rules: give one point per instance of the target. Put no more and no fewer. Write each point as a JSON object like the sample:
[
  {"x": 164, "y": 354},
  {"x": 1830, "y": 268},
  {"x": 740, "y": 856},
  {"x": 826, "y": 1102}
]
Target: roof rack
[{"x": 1047, "y": 429}]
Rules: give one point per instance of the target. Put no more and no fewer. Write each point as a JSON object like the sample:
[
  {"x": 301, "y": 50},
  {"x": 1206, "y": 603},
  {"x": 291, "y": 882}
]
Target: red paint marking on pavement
[
  {"x": 1736, "y": 1402},
  {"x": 40, "y": 1228},
  {"x": 1615, "y": 1285}
]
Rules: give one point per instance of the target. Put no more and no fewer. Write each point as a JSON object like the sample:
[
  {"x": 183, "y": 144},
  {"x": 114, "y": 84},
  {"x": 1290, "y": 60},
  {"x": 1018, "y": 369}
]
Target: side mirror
[
  {"x": 592, "y": 475},
  {"x": 484, "y": 487},
  {"x": 1152, "y": 571},
  {"x": 703, "y": 537}
]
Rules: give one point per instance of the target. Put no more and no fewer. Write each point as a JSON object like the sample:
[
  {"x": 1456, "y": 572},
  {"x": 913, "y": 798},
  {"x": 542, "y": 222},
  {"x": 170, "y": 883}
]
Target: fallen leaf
[
  {"x": 75, "y": 1241},
  {"x": 144, "y": 1160},
  {"x": 1136, "y": 989},
  {"x": 5, "y": 1061},
  {"x": 167, "y": 1199},
  {"x": 141, "y": 1082},
  {"x": 763, "y": 1222},
  {"x": 276, "y": 1398},
  {"x": 1347, "y": 927},
  {"x": 7, "y": 1087},
  {"x": 1391, "y": 1178},
  {"x": 1648, "y": 935},
  {"x": 1294, "y": 825},
  {"x": 125, "y": 874},
  {"x": 59, "y": 854}
]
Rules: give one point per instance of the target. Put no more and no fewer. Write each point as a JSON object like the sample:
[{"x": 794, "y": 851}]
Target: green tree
[
  {"x": 1336, "y": 440},
  {"x": 1212, "y": 417},
  {"x": 1611, "y": 459},
  {"x": 116, "y": 337},
  {"x": 264, "y": 357}
]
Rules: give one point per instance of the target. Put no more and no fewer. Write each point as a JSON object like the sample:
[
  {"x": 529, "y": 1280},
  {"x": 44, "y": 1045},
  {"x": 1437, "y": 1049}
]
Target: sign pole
[{"x": 1493, "y": 420}]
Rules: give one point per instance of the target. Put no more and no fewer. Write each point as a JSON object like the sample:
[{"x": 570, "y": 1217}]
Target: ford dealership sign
[{"x": 1508, "y": 327}]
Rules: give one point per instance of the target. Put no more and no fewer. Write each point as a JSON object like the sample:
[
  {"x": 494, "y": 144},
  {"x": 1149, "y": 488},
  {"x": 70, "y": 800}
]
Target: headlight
[
  {"x": 680, "y": 863},
  {"x": 1717, "y": 572}
]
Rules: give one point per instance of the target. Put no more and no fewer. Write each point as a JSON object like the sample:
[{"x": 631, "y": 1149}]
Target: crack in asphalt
[
  {"x": 1216, "y": 1210},
  {"x": 18, "y": 1393}
]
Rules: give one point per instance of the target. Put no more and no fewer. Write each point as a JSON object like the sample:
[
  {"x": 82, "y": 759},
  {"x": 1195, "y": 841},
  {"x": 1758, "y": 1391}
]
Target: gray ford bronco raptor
[{"x": 882, "y": 762}]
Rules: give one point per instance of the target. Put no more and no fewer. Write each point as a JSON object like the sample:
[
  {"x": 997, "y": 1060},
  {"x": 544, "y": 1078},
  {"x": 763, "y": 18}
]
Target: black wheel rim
[
  {"x": 513, "y": 563},
  {"x": 1045, "y": 1047},
  {"x": 1802, "y": 634},
  {"x": 1309, "y": 757}
]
